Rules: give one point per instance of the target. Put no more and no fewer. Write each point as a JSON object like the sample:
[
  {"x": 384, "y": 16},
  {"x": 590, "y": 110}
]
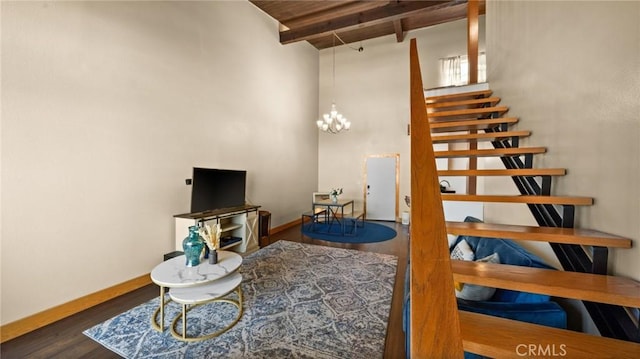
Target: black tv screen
[{"x": 215, "y": 189}]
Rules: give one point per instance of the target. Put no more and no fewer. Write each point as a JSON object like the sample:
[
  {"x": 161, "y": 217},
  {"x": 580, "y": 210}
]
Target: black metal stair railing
[{"x": 611, "y": 320}]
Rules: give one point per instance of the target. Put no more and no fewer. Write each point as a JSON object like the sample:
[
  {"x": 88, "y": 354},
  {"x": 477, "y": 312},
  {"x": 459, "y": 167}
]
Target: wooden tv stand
[{"x": 236, "y": 222}]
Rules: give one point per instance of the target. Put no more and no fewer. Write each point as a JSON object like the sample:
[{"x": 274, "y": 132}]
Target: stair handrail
[{"x": 435, "y": 327}]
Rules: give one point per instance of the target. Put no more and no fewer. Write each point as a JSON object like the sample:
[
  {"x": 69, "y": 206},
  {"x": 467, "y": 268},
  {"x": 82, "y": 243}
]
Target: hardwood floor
[{"x": 64, "y": 339}]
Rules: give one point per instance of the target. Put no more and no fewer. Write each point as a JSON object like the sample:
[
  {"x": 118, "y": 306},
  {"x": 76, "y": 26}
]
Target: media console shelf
[{"x": 239, "y": 227}]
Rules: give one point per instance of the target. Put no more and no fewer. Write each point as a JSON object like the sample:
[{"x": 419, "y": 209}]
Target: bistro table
[{"x": 335, "y": 213}]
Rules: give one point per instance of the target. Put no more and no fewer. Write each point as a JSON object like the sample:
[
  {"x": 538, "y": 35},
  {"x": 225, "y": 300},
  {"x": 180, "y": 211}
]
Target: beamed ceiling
[{"x": 354, "y": 21}]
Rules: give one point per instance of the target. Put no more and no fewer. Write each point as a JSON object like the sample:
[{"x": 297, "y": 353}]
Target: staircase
[{"x": 478, "y": 116}]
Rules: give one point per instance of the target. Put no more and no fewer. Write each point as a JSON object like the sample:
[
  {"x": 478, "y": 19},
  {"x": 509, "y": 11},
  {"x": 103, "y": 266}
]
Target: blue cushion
[{"x": 510, "y": 253}]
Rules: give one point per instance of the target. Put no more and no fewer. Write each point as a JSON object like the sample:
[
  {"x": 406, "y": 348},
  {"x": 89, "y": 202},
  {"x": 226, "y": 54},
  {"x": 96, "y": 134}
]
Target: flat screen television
[{"x": 217, "y": 188}]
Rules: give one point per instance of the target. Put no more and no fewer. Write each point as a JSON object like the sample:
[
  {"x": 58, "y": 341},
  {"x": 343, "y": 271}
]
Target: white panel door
[{"x": 381, "y": 188}]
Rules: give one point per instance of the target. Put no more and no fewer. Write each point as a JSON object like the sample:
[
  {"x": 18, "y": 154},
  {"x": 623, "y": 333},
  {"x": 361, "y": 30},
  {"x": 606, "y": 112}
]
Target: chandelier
[{"x": 333, "y": 122}]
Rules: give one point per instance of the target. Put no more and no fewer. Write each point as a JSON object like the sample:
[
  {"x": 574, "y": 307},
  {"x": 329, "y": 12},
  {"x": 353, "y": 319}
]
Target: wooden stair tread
[
  {"x": 582, "y": 286},
  {"x": 497, "y": 152},
  {"x": 464, "y": 102},
  {"x": 481, "y": 93},
  {"x": 493, "y": 136},
  {"x": 506, "y": 172},
  {"x": 456, "y": 119},
  {"x": 503, "y": 338},
  {"x": 470, "y": 124},
  {"x": 562, "y": 200},
  {"x": 579, "y": 236},
  {"x": 469, "y": 111}
]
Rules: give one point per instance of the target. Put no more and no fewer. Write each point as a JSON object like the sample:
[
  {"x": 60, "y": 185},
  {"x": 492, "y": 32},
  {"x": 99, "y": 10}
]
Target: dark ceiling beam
[
  {"x": 397, "y": 26},
  {"x": 353, "y": 36},
  {"x": 389, "y": 12}
]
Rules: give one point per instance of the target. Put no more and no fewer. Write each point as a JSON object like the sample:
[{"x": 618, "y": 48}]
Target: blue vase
[{"x": 192, "y": 247}]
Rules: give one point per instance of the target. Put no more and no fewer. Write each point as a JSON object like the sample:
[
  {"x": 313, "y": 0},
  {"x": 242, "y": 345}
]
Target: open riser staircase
[{"x": 478, "y": 116}]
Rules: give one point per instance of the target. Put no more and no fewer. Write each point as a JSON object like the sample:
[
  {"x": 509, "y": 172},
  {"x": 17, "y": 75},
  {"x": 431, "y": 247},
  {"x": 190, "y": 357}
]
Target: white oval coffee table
[{"x": 174, "y": 273}]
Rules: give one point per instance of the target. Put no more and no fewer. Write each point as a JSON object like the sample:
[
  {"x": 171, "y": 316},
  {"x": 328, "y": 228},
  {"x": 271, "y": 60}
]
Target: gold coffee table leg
[
  {"x": 185, "y": 308},
  {"x": 159, "y": 326}
]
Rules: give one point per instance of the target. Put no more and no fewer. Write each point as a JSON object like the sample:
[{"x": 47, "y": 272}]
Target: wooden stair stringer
[{"x": 431, "y": 283}]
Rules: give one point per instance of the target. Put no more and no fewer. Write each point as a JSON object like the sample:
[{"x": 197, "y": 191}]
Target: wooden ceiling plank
[
  {"x": 290, "y": 9},
  {"x": 390, "y": 12},
  {"x": 439, "y": 16},
  {"x": 330, "y": 13}
]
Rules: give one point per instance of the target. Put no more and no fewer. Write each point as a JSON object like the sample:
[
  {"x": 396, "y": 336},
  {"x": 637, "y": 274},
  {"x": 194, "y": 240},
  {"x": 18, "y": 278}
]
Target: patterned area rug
[{"x": 300, "y": 301}]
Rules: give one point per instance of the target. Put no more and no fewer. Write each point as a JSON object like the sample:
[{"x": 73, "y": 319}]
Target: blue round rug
[{"x": 370, "y": 233}]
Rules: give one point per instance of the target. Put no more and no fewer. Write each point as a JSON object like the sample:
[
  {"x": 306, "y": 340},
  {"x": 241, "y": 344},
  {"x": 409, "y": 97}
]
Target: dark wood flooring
[{"x": 64, "y": 339}]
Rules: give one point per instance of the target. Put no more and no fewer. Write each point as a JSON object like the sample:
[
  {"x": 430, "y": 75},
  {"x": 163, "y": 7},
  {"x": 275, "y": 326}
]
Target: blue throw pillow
[
  {"x": 510, "y": 253},
  {"x": 477, "y": 292}
]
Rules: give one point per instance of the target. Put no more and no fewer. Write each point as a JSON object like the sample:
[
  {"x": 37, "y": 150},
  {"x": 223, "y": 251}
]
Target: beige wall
[
  {"x": 106, "y": 107},
  {"x": 569, "y": 71},
  {"x": 372, "y": 91}
]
